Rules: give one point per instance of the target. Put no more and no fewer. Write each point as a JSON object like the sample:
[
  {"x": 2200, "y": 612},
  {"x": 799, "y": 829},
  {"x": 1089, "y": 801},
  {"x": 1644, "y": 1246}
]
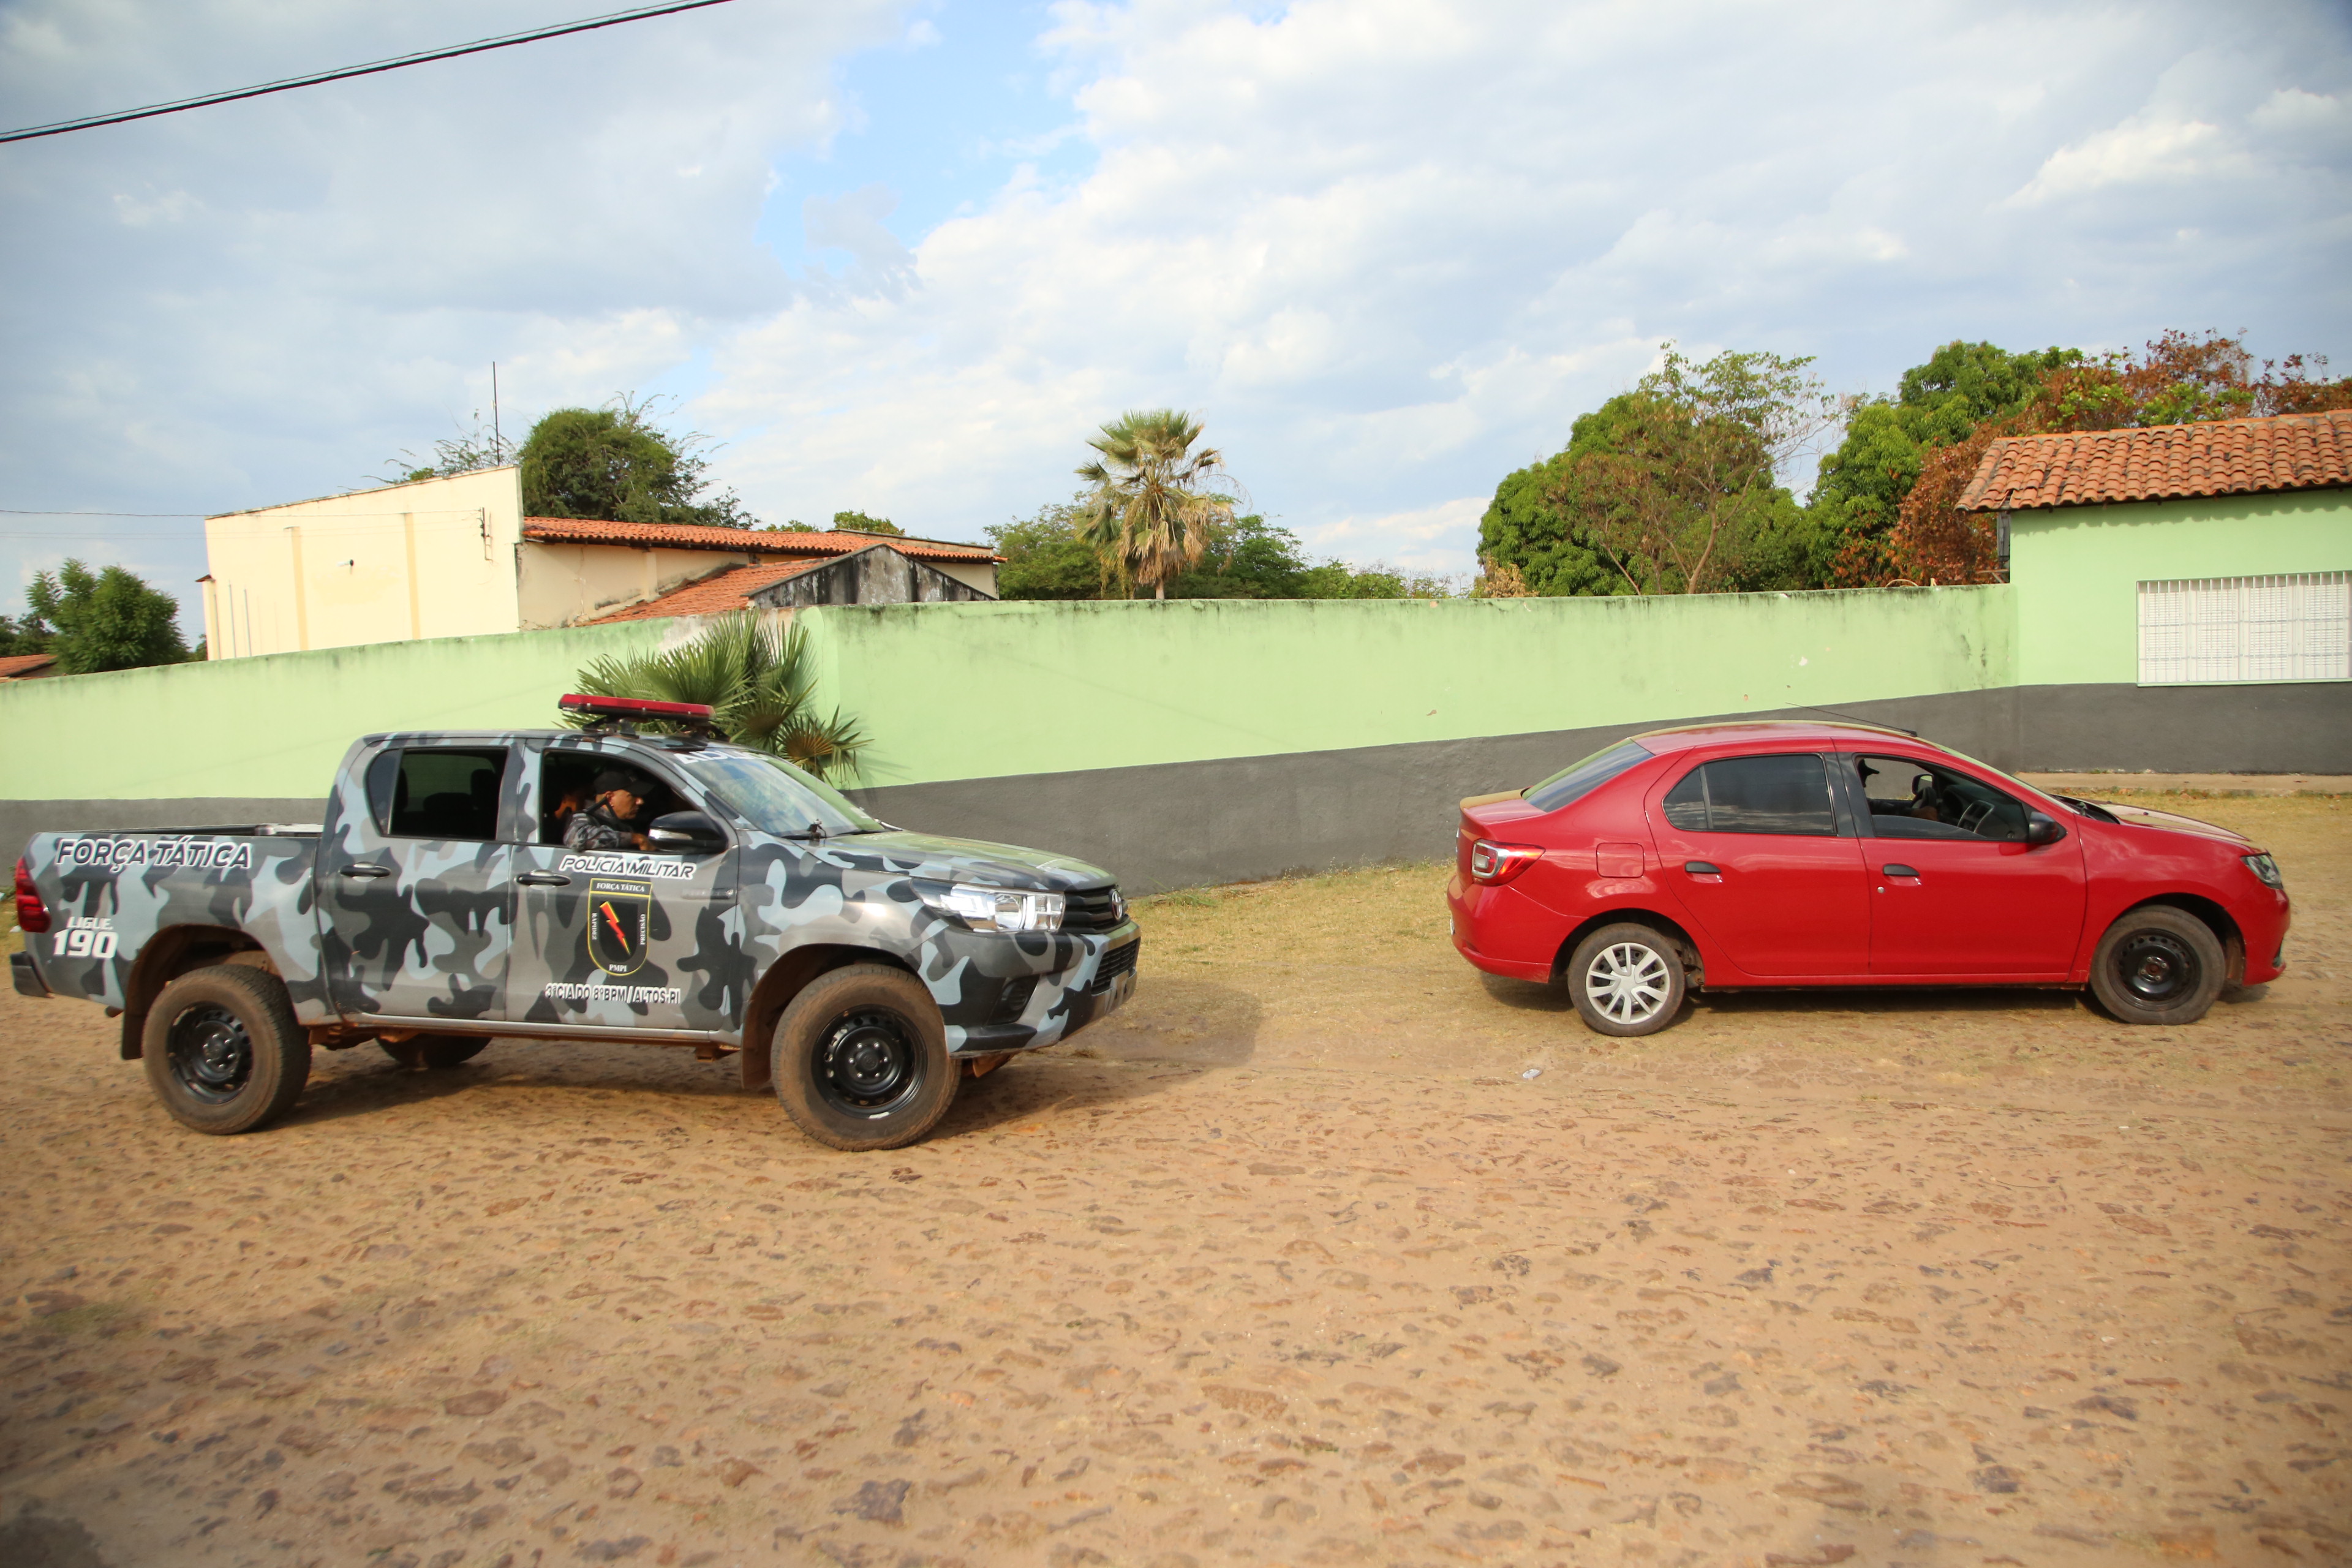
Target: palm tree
[
  {"x": 1148, "y": 517},
  {"x": 757, "y": 682}
]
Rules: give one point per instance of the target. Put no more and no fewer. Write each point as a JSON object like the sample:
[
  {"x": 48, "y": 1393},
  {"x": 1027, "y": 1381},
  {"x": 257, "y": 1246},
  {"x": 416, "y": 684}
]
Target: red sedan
[{"x": 1730, "y": 855}]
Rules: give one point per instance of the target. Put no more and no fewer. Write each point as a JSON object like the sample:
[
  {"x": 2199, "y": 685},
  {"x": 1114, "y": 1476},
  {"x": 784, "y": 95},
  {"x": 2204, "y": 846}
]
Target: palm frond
[{"x": 756, "y": 679}]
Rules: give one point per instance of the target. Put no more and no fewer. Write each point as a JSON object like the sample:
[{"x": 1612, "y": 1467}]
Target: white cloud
[
  {"x": 2141, "y": 151},
  {"x": 1390, "y": 248}
]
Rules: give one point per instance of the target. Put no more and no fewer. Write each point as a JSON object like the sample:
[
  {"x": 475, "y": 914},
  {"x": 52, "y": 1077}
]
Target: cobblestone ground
[{"x": 1292, "y": 1263}]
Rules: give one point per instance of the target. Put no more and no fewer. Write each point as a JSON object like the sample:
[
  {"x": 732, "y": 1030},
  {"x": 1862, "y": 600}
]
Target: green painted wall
[
  {"x": 957, "y": 691},
  {"x": 2076, "y": 571},
  {"x": 984, "y": 691},
  {"x": 276, "y": 727}
]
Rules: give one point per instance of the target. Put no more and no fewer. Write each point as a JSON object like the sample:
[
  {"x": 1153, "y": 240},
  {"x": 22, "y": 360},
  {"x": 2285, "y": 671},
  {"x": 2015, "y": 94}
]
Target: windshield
[
  {"x": 772, "y": 796},
  {"x": 1573, "y": 783}
]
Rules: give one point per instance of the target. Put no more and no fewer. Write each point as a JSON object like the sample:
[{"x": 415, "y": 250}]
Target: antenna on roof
[
  {"x": 1857, "y": 719},
  {"x": 498, "y": 440}
]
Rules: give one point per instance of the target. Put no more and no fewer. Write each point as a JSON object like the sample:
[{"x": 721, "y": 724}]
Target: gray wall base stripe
[{"x": 1176, "y": 824}]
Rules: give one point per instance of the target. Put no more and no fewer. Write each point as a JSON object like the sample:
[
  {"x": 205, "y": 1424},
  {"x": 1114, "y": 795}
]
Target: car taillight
[
  {"x": 1495, "y": 864},
  {"x": 32, "y": 915}
]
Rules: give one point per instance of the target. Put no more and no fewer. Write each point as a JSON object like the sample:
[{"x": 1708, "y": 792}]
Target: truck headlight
[
  {"x": 2265, "y": 869},
  {"x": 995, "y": 908}
]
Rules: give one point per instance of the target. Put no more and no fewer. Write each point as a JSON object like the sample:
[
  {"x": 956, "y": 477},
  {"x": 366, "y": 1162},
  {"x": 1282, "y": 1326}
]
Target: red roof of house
[
  {"x": 18, "y": 665},
  {"x": 2165, "y": 462},
  {"x": 751, "y": 541},
  {"x": 726, "y": 590}
]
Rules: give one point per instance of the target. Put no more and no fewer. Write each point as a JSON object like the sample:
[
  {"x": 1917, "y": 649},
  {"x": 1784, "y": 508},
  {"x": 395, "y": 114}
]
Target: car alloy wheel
[{"x": 1627, "y": 983}]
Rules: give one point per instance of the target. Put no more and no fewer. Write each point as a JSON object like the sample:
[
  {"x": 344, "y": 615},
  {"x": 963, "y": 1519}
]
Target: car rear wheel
[
  {"x": 860, "y": 1060},
  {"x": 2158, "y": 964},
  {"x": 1627, "y": 980},
  {"x": 222, "y": 1049}
]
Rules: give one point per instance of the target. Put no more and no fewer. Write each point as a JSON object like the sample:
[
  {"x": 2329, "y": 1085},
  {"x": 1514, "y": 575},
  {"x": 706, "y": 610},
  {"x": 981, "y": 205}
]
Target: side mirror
[
  {"x": 685, "y": 833},
  {"x": 2038, "y": 829}
]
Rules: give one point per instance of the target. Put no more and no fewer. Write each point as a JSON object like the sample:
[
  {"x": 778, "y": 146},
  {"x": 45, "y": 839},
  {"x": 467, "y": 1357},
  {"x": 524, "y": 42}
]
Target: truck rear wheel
[
  {"x": 222, "y": 1051},
  {"x": 434, "y": 1053},
  {"x": 860, "y": 1060}
]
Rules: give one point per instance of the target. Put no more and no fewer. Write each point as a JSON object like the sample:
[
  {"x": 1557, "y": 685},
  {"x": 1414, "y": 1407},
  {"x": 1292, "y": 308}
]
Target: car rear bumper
[{"x": 1480, "y": 912}]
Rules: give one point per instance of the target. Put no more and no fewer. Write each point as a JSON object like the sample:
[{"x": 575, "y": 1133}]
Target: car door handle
[
  {"x": 1705, "y": 870},
  {"x": 365, "y": 873},
  {"x": 1898, "y": 871},
  {"x": 543, "y": 880}
]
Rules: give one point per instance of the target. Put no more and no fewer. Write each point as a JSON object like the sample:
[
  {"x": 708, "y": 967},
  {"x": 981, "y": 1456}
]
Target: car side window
[
  {"x": 435, "y": 791},
  {"x": 1786, "y": 794},
  {"x": 1912, "y": 799}
]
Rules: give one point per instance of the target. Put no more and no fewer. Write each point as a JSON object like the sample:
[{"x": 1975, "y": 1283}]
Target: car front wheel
[
  {"x": 2158, "y": 964},
  {"x": 1627, "y": 980},
  {"x": 860, "y": 1060}
]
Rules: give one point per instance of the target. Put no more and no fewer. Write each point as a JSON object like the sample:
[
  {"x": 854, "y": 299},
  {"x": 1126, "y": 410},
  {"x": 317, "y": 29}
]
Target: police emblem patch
[{"x": 618, "y": 919}]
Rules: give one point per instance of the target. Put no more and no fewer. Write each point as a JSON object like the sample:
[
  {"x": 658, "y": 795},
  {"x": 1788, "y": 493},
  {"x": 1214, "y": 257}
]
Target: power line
[
  {"x": 35, "y": 511},
  {"x": 287, "y": 84}
]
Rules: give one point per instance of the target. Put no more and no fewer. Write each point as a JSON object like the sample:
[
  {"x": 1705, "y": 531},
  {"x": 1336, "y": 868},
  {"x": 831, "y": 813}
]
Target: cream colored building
[{"x": 457, "y": 557}]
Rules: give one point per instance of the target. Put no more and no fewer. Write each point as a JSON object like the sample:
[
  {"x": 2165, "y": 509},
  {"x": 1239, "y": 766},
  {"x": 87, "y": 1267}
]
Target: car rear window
[
  {"x": 1789, "y": 793},
  {"x": 1573, "y": 783}
]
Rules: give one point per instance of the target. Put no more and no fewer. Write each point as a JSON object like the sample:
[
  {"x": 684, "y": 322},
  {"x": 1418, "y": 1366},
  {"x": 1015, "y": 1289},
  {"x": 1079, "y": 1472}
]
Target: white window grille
[{"x": 2214, "y": 629}]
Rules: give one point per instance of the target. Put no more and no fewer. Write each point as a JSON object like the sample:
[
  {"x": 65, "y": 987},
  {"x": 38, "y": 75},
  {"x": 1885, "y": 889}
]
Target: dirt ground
[{"x": 1327, "y": 1251}]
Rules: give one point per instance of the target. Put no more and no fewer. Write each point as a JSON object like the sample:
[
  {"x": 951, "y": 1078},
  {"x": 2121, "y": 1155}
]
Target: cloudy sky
[{"x": 906, "y": 256}]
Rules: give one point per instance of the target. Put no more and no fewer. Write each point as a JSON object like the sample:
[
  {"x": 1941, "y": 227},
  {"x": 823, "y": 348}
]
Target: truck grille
[
  {"x": 1116, "y": 962},
  {"x": 1095, "y": 909}
]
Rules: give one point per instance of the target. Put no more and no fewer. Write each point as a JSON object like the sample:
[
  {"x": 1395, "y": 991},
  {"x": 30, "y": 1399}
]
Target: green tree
[
  {"x": 858, "y": 522},
  {"x": 109, "y": 619},
  {"x": 1858, "y": 497},
  {"x": 1670, "y": 488},
  {"x": 615, "y": 463},
  {"x": 1247, "y": 558},
  {"x": 1046, "y": 558},
  {"x": 1149, "y": 515},
  {"x": 27, "y": 635},
  {"x": 758, "y": 682}
]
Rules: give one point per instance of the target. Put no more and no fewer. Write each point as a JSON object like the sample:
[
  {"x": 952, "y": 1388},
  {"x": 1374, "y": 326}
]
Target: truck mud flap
[{"x": 28, "y": 978}]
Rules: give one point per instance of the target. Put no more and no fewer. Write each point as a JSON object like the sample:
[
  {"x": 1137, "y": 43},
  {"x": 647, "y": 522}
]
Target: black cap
[{"x": 612, "y": 779}]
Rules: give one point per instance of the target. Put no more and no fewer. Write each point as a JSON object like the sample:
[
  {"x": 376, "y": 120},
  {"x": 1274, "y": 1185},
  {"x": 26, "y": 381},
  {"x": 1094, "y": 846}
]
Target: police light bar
[{"x": 634, "y": 708}]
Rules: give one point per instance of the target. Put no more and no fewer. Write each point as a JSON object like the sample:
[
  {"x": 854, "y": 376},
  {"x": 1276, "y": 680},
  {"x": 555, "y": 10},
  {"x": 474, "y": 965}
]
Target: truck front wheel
[
  {"x": 860, "y": 1060},
  {"x": 222, "y": 1051}
]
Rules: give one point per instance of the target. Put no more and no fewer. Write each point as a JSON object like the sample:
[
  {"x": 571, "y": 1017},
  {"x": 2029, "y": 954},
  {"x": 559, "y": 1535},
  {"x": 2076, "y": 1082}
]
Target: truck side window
[{"x": 438, "y": 792}]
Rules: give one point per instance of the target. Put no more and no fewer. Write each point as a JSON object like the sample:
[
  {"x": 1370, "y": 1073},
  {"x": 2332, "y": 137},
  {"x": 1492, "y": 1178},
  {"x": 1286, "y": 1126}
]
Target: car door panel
[
  {"x": 619, "y": 940},
  {"x": 1969, "y": 906},
  {"x": 416, "y": 905},
  {"x": 1784, "y": 895}
]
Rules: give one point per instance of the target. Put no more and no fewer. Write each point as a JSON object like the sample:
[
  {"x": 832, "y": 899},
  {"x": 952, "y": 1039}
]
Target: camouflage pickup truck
[{"x": 861, "y": 971}]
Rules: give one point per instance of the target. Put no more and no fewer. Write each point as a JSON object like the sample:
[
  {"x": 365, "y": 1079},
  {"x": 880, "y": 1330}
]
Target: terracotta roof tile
[
  {"x": 2164, "y": 462},
  {"x": 751, "y": 541},
  {"x": 16, "y": 665},
  {"x": 721, "y": 591}
]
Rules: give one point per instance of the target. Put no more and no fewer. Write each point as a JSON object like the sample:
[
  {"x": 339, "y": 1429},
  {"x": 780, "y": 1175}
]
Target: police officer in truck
[{"x": 614, "y": 801}]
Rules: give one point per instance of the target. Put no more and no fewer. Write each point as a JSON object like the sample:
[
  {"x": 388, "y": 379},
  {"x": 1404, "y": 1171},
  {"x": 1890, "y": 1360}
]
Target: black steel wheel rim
[
  {"x": 869, "y": 1063},
  {"x": 2156, "y": 968},
  {"x": 211, "y": 1054}
]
